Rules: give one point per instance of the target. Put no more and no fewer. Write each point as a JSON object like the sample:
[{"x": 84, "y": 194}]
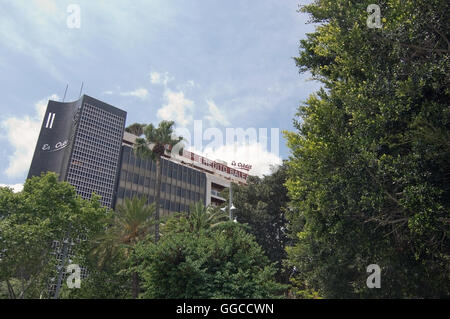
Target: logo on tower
[{"x": 50, "y": 119}]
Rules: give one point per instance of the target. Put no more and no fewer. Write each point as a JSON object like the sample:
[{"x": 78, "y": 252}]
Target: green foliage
[
  {"x": 198, "y": 218},
  {"x": 46, "y": 210},
  {"x": 263, "y": 204},
  {"x": 369, "y": 172},
  {"x": 136, "y": 129},
  {"x": 156, "y": 140},
  {"x": 153, "y": 146},
  {"x": 109, "y": 253},
  {"x": 212, "y": 261}
]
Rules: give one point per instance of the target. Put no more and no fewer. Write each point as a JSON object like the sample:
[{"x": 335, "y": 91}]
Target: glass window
[
  {"x": 175, "y": 170},
  {"x": 185, "y": 176},
  {"x": 169, "y": 173}
]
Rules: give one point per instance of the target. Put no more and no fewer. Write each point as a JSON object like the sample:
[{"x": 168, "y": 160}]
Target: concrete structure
[{"x": 85, "y": 143}]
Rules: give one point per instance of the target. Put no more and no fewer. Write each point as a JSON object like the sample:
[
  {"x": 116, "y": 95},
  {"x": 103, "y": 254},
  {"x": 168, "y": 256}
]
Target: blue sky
[{"x": 227, "y": 63}]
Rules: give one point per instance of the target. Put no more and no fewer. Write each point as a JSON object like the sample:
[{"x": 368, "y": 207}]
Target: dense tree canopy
[
  {"x": 218, "y": 260},
  {"x": 46, "y": 210},
  {"x": 370, "y": 164},
  {"x": 263, "y": 205},
  {"x": 108, "y": 253}
]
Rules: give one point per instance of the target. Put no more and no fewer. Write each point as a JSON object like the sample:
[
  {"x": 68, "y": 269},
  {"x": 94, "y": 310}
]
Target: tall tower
[{"x": 81, "y": 141}]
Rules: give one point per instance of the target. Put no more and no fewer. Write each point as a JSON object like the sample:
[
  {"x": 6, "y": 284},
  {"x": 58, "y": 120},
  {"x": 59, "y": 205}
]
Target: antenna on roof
[
  {"x": 81, "y": 89},
  {"x": 65, "y": 92}
]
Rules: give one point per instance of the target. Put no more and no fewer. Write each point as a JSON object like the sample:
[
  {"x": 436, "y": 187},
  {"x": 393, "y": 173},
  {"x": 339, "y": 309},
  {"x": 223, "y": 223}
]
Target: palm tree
[
  {"x": 202, "y": 217},
  {"x": 153, "y": 146},
  {"x": 136, "y": 129},
  {"x": 130, "y": 225}
]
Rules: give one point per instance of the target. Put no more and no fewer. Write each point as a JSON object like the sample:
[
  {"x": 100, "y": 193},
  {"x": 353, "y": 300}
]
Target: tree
[
  {"x": 209, "y": 262},
  {"x": 153, "y": 146},
  {"x": 46, "y": 210},
  {"x": 135, "y": 129},
  {"x": 263, "y": 204},
  {"x": 199, "y": 217},
  {"x": 130, "y": 225},
  {"x": 369, "y": 166}
]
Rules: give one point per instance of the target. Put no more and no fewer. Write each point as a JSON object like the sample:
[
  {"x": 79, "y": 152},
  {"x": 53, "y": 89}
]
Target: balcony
[{"x": 216, "y": 194}]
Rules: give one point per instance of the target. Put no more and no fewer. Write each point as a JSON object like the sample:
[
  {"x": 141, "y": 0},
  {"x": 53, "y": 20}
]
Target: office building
[
  {"x": 81, "y": 141},
  {"x": 85, "y": 143}
]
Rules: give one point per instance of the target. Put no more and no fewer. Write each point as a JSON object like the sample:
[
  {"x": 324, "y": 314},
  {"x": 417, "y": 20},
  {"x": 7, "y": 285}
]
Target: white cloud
[
  {"x": 48, "y": 6},
  {"x": 215, "y": 116},
  {"x": 177, "y": 108},
  {"x": 15, "y": 187},
  {"x": 140, "y": 93},
  {"x": 160, "y": 78},
  {"x": 255, "y": 154},
  {"x": 22, "y": 134},
  {"x": 155, "y": 77},
  {"x": 42, "y": 35}
]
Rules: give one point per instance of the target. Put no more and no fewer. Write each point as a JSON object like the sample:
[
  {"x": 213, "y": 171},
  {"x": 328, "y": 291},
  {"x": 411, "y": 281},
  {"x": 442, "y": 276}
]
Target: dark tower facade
[{"x": 81, "y": 141}]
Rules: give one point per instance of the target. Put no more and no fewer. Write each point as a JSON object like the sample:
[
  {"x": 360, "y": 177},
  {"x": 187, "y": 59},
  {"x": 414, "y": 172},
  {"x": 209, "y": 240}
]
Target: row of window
[
  {"x": 165, "y": 188},
  {"x": 96, "y": 153},
  {"x": 98, "y": 143},
  {"x": 169, "y": 168},
  {"x": 94, "y": 113},
  {"x": 93, "y": 177},
  {"x": 166, "y": 204},
  {"x": 88, "y": 169}
]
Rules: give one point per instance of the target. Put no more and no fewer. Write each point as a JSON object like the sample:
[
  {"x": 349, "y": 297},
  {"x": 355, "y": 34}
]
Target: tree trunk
[
  {"x": 157, "y": 197},
  {"x": 135, "y": 285},
  {"x": 12, "y": 295}
]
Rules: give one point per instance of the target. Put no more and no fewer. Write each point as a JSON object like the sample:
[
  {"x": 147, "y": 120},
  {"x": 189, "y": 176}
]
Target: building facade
[
  {"x": 82, "y": 142},
  {"x": 85, "y": 143},
  {"x": 181, "y": 186}
]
